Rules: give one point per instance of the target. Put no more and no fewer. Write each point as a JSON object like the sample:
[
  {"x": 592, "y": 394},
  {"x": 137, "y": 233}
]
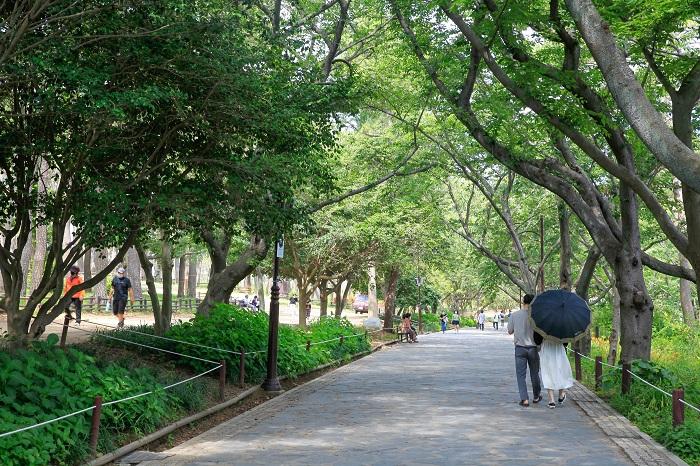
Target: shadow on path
[{"x": 450, "y": 399}]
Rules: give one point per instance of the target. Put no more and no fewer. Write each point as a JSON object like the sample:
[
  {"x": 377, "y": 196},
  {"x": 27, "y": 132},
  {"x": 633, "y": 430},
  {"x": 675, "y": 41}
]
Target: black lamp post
[{"x": 272, "y": 382}]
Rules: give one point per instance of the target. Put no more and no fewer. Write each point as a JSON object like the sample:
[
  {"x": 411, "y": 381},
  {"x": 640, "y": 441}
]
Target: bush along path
[
  {"x": 648, "y": 404},
  {"x": 44, "y": 382}
]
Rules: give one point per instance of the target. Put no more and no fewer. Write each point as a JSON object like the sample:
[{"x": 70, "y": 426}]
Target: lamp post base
[{"x": 272, "y": 385}]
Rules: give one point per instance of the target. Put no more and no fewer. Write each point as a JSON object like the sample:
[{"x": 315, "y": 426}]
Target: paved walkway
[{"x": 450, "y": 399}]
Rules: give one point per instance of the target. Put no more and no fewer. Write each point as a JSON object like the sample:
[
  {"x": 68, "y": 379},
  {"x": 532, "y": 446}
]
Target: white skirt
[{"x": 554, "y": 366}]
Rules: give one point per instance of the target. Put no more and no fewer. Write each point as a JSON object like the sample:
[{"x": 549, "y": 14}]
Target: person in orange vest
[{"x": 76, "y": 300}]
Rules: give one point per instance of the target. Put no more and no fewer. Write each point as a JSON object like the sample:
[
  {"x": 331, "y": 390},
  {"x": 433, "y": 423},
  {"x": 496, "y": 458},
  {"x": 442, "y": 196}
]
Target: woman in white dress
[{"x": 555, "y": 370}]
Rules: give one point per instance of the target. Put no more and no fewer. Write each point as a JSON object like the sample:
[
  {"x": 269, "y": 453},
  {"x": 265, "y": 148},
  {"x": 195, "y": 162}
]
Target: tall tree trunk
[
  {"x": 181, "y": 276},
  {"x": 636, "y": 307},
  {"x": 565, "y": 280},
  {"x": 324, "y": 291},
  {"x": 392, "y": 281},
  {"x": 133, "y": 268},
  {"x": 45, "y": 183},
  {"x": 147, "y": 267},
  {"x": 683, "y": 103},
  {"x": 260, "y": 286},
  {"x": 341, "y": 297},
  {"x": 583, "y": 283},
  {"x": 685, "y": 287},
  {"x": 192, "y": 276},
  {"x": 372, "y": 292},
  {"x": 102, "y": 258},
  {"x": 87, "y": 263},
  {"x": 305, "y": 293},
  {"x": 615, "y": 327},
  {"x": 225, "y": 277},
  {"x": 162, "y": 323},
  {"x": 39, "y": 256},
  {"x": 26, "y": 260}
]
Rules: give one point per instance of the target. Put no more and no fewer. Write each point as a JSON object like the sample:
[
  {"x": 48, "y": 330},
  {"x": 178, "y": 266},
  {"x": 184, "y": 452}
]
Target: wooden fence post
[
  {"x": 95, "y": 425},
  {"x": 342, "y": 338},
  {"x": 64, "y": 332},
  {"x": 598, "y": 371},
  {"x": 626, "y": 378},
  {"x": 597, "y": 331},
  {"x": 678, "y": 407},
  {"x": 222, "y": 379},
  {"x": 577, "y": 363},
  {"x": 308, "y": 345},
  {"x": 241, "y": 369}
]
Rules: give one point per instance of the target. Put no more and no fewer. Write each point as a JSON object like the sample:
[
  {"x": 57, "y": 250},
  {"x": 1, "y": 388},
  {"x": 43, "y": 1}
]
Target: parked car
[{"x": 361, "y": 304}]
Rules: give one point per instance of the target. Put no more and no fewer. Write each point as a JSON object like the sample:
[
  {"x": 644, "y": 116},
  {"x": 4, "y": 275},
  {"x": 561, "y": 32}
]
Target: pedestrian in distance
[
  {"x": 502, "y": 318},
  {"x": 494, "y": 324},
  {"x": 455, "y": 321},
  {"x": 308, "y": 310},
  {"x": 255, "y": 303},
  {"x": 480, "y": 319},
  {"x": 526, "y": 355},
  {"x": 121, "y": 290},
  {"x": 556, "y": 370},
  {"x": 443, "y": 322},
  {"x": 76, "y": 300}
]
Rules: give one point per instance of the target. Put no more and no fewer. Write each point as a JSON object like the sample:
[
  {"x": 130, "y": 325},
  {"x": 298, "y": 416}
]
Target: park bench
[{"x": 401, "y": 336}]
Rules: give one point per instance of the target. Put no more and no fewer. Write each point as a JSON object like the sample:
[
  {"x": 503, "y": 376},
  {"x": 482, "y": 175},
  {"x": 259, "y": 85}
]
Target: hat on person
[
  {"x": 121, "y": 270},
  {"x": 75, "y": 269}
]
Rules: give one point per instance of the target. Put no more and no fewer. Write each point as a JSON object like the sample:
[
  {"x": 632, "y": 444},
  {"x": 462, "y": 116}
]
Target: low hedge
[
  {"x": 235, "y": 329},
  {"x": 45, "y": 382}
]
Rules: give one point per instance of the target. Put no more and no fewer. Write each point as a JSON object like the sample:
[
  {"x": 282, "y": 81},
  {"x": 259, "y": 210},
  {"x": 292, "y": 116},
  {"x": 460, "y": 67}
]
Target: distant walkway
[{"x": 450, "y": 399}]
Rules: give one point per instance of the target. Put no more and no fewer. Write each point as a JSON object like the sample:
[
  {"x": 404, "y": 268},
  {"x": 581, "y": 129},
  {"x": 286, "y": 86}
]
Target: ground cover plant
[
  {"x": 675, "y": 363},
  {"x": 45, "y": 382}
]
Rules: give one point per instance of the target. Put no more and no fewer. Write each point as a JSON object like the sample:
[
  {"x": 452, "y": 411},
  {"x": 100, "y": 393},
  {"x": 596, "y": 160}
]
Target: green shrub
[
  {"x": 676, "y": 363},
  {"x": 45, "y": 382},
  {"x": 236, "y": 329}
]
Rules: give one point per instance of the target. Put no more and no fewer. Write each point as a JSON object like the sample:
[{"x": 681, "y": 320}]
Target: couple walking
[{"x": 548, "y": 364}]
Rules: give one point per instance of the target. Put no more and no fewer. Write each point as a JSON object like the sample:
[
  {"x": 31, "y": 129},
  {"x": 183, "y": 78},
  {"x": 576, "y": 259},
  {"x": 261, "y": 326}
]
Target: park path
[{"x": 450, "y": 399}]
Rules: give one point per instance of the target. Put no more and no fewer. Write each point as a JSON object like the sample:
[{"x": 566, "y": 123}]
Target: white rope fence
[
  {"x": 80, "y": 411},
  {"x": 637, "y": 377},
  {"x": 167, "y": 387},
  {"x": 142, "y": 345}
]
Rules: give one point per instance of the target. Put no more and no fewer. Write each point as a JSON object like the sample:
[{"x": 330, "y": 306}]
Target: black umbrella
[{"x": 560, "y": 315}]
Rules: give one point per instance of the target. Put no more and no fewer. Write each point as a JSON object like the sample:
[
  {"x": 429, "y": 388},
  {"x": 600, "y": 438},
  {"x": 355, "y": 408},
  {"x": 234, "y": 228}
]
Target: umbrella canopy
[{"x": 560, "y": 315}]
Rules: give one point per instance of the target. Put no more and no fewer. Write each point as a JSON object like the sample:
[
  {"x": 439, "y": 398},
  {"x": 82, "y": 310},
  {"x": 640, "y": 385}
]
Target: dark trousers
[
  {"x": 78, "y": 306},
  {"x": 527, "y": 356},
  {"x": 495, "y": 324},
  {"x": 481, "y": 326}
]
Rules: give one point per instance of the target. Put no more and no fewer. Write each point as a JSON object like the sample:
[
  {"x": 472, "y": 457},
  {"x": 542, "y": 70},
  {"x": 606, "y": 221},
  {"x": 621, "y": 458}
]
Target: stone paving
[{"x": 450, "y": 399}]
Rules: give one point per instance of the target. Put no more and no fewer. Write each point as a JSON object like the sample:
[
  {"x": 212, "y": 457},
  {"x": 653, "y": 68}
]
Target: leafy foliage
[
  {"x": 45, "y": 382},
  {"x": 675, "y": 356},
  {"x": 235, "y": 329}
]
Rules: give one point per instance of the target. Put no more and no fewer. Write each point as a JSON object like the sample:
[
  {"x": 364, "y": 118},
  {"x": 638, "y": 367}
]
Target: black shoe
[
  {"x": 537, "y": 399},
  {"x": 523, "y": 404},
  {"x": 551, "y": 405},
  {"x": 561, "y": 400}
]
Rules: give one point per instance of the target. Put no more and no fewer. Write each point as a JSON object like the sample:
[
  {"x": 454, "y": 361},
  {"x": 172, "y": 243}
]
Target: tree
[{"x": 584, "y": 198}]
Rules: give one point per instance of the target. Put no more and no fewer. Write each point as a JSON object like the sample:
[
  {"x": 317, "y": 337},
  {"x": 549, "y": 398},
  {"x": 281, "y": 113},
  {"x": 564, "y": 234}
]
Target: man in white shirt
[{"x": 525, "y": 352}]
